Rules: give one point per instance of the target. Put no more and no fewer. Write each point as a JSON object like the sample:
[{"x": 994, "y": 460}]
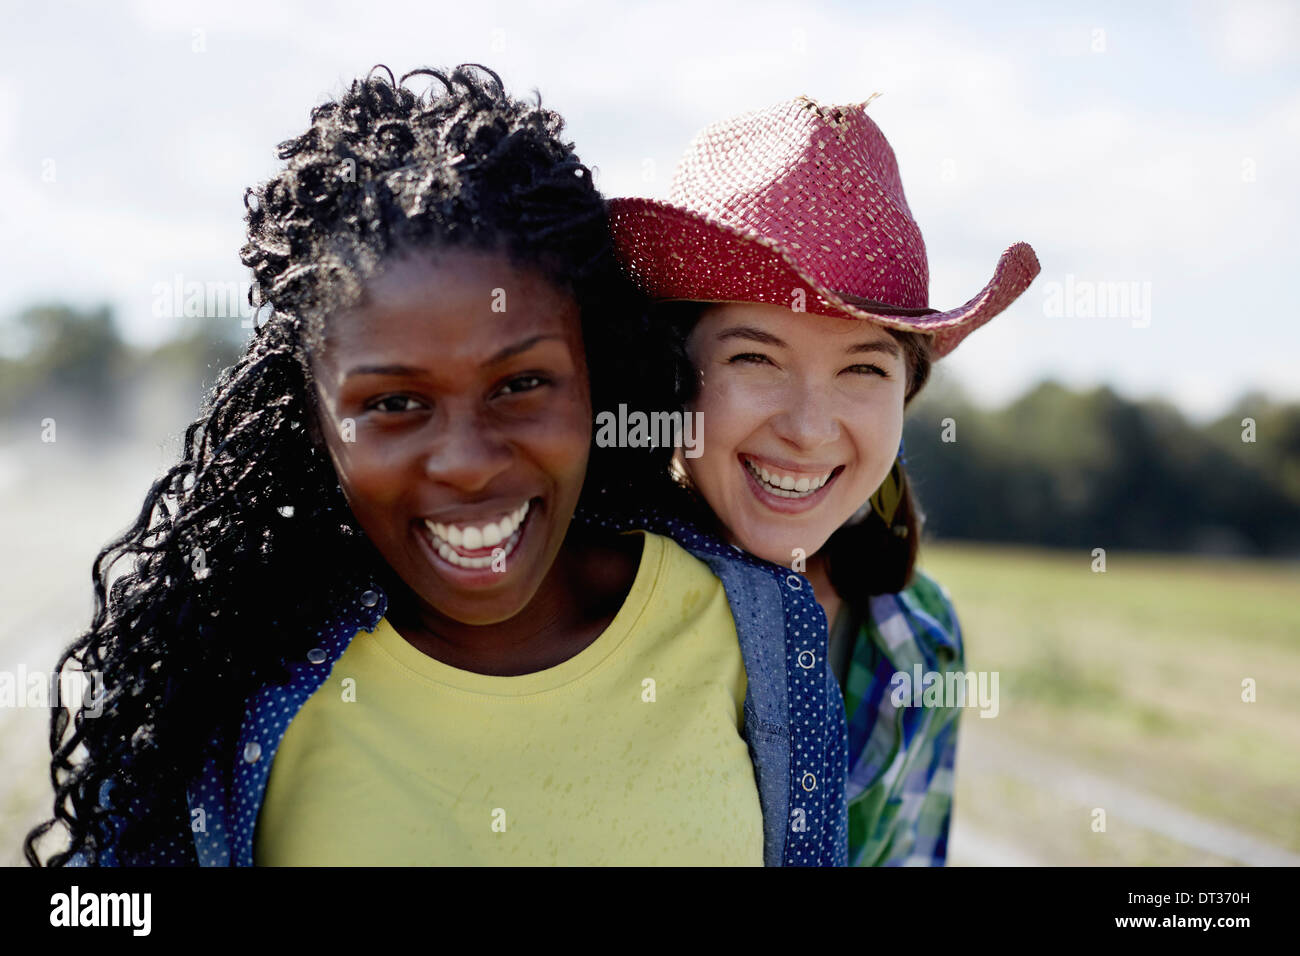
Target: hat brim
[{"x": 675, "y": 253}]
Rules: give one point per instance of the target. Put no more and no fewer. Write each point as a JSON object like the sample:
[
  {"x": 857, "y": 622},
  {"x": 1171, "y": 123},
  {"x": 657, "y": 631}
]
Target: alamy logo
[
  {"x": 42, "y": 690},
  {"x": 1088, "y": 299},
  {"x": 952, "y": 689},
  {"x": 102, "y": 909},
  {"x": 654, "y": 430}
]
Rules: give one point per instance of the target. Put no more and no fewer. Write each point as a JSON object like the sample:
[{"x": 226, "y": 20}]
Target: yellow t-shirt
[{"x": 628, "y": 753}]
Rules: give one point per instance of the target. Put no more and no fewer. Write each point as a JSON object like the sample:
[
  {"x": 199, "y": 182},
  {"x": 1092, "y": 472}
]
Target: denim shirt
[{"x": 794, "y": 720}]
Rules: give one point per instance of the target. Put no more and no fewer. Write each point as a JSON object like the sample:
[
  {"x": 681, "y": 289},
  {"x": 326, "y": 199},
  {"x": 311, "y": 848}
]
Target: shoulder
[
  {"x": 673, "y": 553},
  {"x": 764, "y": 597},
  {"x": 689, "y": 577},
  {"x": 932, "y": 597},
  {"x": 682, "y": 528},
  {"x": 925, "y": 609}
]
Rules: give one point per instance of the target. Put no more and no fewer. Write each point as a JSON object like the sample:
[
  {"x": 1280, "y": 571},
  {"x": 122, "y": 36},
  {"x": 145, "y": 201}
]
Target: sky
[{"x": 1142, "y": 150}]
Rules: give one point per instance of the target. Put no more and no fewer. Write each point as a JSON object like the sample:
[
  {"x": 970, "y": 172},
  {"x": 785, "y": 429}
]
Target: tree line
[{"x": 1091, "y": 468}]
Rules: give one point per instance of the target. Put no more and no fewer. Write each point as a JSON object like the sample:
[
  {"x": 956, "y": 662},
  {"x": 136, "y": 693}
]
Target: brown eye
[
  {"x": 749, "y": 358},
  {"x": 523, "y": 383},
  {"x": 393, "y": 403},
  {"x": 868, "y": 370}
]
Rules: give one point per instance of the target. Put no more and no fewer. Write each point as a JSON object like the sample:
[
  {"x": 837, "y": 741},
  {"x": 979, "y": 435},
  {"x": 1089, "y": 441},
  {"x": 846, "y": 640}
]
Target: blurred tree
[
  {"x": 1093, "y": 469},
  {"x": 66, "y": 355},
  {"x": 73, "y": 366}
]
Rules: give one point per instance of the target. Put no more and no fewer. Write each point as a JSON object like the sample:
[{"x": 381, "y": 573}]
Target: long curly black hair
[{"x": 252, "y": 517}]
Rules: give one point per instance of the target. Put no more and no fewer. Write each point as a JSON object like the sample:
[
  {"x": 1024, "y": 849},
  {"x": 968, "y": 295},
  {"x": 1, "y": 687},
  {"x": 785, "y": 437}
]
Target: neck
[
  {"x": 576, "y": 601},
  {"x": 818, "y": 573}
]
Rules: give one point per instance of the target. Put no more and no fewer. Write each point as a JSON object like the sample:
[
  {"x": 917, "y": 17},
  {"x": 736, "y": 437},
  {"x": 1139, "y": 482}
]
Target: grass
[{"x": 1137, "y": 673}]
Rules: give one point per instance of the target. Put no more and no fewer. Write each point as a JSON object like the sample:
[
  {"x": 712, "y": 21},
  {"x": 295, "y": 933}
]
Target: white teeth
[
  {"x": 448, "y": 537},
  {"x": 787, "y": 486},
  {"x": 450, "y": 555}
]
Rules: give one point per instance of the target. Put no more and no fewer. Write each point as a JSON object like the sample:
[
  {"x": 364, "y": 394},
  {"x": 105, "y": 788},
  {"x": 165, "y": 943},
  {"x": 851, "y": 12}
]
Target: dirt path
[{"x": 1037, "y": 779}]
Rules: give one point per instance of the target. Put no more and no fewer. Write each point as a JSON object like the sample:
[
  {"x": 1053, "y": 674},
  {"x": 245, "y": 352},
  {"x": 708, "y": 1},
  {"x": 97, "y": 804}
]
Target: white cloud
[{"x": 1258, "y": 34}]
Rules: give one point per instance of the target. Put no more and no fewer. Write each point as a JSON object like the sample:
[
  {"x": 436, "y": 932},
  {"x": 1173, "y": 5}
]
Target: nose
[
  {"x": 467, "y": 454},
  {"x": 808, "y": 420}
]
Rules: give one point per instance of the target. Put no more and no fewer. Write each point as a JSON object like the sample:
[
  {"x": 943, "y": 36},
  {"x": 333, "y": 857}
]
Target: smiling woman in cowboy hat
[{"x": 796, "y": 279}]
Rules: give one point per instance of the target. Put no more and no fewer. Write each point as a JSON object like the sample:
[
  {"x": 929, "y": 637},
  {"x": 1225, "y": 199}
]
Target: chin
[
  {"x": 783, "y": 553},
  {"x": 761, "y": 546},
  {"x": 492, "y": 610}
]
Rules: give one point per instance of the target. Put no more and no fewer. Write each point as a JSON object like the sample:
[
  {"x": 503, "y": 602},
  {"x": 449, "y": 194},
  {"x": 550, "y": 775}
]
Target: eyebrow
[
  {"x": 749, "y": 332},
  {"x": 888, "y": 346},
  {"x": 412, "y": 370}
]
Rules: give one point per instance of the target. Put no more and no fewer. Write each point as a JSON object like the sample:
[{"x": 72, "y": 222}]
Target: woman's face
[
  {"x": 802, "y": 417},
  {"x": 465, "y": 383}
]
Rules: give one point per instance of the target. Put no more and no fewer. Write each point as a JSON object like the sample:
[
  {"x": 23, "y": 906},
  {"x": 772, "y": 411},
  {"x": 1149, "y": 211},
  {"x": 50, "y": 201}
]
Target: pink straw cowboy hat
[{"x": 800, "y": 197}]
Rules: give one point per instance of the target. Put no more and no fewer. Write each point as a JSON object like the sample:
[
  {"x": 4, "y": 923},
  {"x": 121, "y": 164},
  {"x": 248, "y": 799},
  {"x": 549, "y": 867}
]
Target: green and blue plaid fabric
[{"x": 901, "y": 758}]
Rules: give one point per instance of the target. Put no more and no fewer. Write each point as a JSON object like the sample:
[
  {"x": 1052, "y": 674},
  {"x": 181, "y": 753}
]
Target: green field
[{"x": 1134, "y": 675}]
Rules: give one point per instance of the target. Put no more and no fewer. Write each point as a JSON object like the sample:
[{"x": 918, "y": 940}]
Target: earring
[{"x": 889, "y": 495}]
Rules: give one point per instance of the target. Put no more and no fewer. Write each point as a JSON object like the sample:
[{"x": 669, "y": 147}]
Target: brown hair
[
  {"x": 869, "y": 557},
  {"x": 864, "y": 556}
]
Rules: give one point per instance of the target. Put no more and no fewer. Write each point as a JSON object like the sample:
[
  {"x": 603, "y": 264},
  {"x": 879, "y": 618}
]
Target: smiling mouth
[
  {"x": 475, "y": 546},
  {"x": 784, "y": 485}
]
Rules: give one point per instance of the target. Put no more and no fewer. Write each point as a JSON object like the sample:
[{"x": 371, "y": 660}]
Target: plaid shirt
[{"x": 900, "y": 784}]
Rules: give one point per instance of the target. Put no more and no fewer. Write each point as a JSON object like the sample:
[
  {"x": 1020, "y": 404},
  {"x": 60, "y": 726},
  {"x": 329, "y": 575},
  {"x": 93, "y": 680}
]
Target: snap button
[
  {"x": 794, "y": 581},
  {"x": 252, "y": 751},
  {"x": 316, "y": 655},
  {"x": 370, "y": 598},
  {"x": 807, "y": 659},
  {"x": 809, "y": 782}
]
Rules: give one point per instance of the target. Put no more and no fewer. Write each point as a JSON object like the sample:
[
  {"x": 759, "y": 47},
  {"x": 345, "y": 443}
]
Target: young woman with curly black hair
[{"x": 359, "y": 626}]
